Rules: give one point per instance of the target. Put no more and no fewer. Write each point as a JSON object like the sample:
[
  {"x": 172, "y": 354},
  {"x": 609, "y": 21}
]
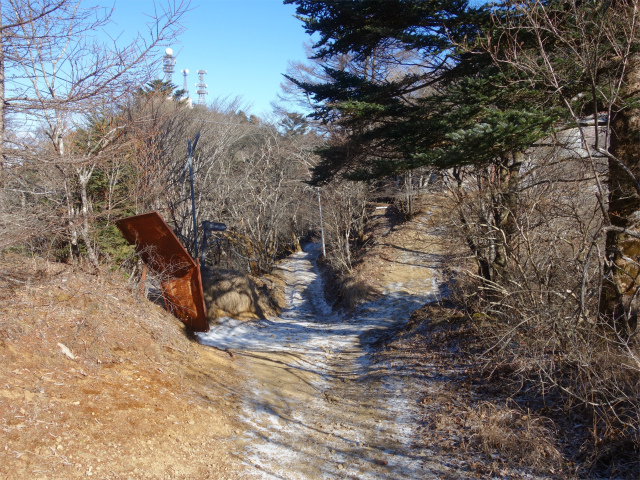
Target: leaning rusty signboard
[{"x": 178, "y": 273}]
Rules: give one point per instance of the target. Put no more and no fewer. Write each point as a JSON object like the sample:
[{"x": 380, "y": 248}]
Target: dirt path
[{"x": 316, "y": 405}]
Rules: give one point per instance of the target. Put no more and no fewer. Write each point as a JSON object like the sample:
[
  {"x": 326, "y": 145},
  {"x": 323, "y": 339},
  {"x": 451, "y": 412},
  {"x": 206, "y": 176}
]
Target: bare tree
[
  {"x": 566, "y": 313},
  {"x": 55, "y": 69},
  {"x": 344, "y": 214},
  {"x": 585, "y": 54},
  {"x": 248, "y": 174}
]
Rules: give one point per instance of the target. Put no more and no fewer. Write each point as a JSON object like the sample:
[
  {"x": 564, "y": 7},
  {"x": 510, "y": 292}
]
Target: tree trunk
[
  {"x": 296, "y": 242},
  {"x": 1, "y": 93},
  {"x": 484, "y": 265},
  {"x": 409, "y": 186},
  {"x": 619, "y": 298},
  {"x": 84, "y": 175},
  {"x": 1, "y": 104},
  {"x": 505, "y": 212}
]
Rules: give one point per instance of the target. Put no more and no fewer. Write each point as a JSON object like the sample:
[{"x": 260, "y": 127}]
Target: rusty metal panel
[{"x": 178, "y": 273}]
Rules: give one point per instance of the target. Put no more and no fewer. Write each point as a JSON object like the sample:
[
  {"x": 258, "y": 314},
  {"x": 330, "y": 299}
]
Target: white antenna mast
[
  {"x": 185, "y": 72},
  {"x": 168, "y": 63},
  {"x": 202, "y": 87}
]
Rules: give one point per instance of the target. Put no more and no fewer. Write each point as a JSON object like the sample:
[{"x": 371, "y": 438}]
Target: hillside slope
[{"x": 97, "y": 381}]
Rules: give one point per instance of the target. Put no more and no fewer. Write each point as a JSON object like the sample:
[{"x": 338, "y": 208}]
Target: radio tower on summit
[
  {"x": 202, "y": 87},
  {"x": 185, "y": 72},
  {"x": 168, "y": 63}
]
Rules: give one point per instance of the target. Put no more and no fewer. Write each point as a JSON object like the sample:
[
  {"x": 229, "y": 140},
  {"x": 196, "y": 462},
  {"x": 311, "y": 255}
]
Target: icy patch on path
[
  {"x": 316, "y": 407},
  {"x": 307, "y": 325}
]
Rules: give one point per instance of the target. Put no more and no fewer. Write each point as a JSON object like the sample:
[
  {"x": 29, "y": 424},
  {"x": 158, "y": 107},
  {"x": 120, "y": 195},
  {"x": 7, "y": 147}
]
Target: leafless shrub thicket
[
  {"x": 564, "y": 307},
  {"x": 344, "y": 216},
  {"x": 405, "y": 189},
  {"x": 56, "y": 68},
  {"x": 535, "y": 282},
  {"x": 248, "y": 174}
]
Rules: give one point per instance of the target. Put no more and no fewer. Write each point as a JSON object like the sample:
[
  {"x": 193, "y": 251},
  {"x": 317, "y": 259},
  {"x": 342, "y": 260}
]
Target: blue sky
[{"x": 243, "y": 44}]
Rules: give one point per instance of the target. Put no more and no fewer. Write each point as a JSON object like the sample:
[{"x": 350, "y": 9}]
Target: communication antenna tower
[
  {"x": 167, "y": 65},
  {"x": 202, "y": 87},
  {"x": 185, "y": 72}
]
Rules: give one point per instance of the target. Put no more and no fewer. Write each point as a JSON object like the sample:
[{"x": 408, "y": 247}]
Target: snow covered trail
[{"x": 316, "y": 406}]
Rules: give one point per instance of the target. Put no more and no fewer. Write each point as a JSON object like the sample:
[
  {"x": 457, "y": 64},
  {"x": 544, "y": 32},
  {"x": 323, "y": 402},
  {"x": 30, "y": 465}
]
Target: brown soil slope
[{"x": 96, "y": 381}]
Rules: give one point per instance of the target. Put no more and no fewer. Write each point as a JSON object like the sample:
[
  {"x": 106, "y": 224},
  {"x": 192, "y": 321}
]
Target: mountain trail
[{"x": 316, "y": 404}]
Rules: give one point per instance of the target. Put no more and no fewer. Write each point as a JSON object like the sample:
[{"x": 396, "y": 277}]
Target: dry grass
[
  {"x": 520, "y": 437},
  {"x": 136, "y": 398},
  {"x": 483, "y": 420}
]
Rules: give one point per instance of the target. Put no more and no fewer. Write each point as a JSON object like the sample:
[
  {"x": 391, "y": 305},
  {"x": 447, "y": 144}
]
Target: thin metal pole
[
  {"x": 193, "y": 210},
  {"x": 324, "y": 251}
]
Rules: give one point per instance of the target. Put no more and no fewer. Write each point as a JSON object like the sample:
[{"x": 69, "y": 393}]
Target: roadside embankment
[{"x": 98, "y": 381}]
